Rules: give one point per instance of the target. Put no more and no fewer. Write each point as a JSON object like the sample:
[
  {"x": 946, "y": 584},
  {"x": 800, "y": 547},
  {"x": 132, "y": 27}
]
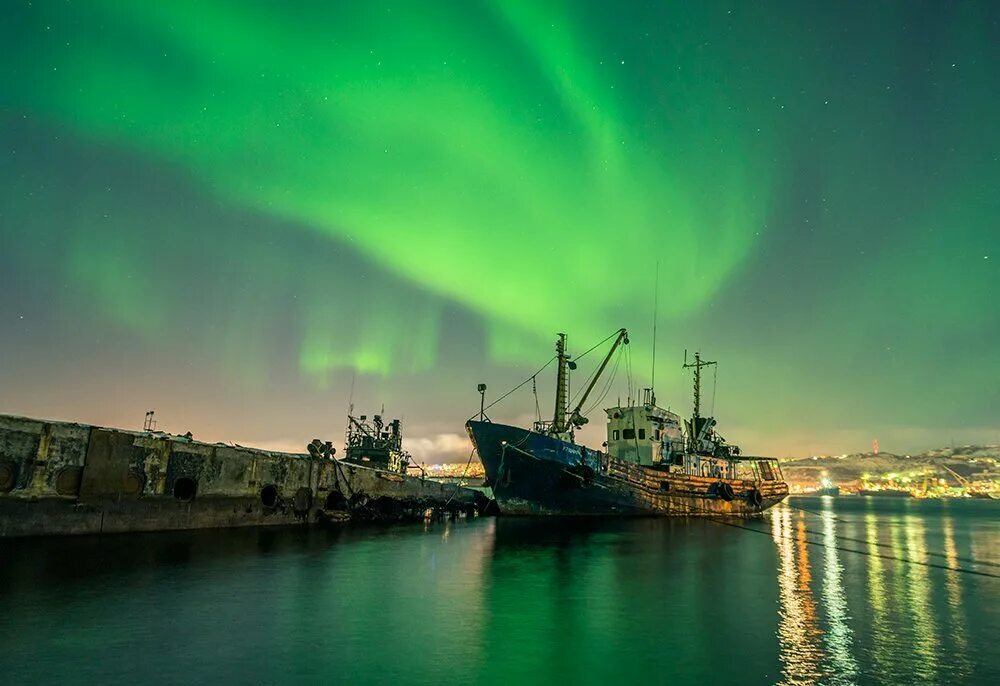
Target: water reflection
[
  {"x": 818, "y": 599},
  {"x": 919, "y": 590},
  {"x": 798, "y": 634},
  {"x": 869, "y": 604},
  {"x": 953, "y": 587},
  {"x": 839, "y": 637},
  {"x": 877, "y": 599},
  {"x": 902, "y": 637}
]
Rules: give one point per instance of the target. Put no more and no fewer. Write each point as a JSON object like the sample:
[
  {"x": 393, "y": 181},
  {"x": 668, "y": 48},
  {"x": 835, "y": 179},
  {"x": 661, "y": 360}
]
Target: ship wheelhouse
[{"x": 644, "y": 434}]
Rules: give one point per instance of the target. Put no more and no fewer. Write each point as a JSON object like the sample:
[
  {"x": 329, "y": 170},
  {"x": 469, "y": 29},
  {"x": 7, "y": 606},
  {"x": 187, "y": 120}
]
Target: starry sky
[{"x": 246, "y": 214}]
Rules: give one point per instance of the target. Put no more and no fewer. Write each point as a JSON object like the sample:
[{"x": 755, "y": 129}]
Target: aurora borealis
[{"x": 235, "y": 211}]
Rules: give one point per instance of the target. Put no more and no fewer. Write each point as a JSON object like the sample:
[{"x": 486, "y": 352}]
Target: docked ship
[
  {"x": 885, "y": 493},
  {"x": 377, "y": 444},
  {"x": 655, "y": 463},
  {"x": 374, "y": 448}
]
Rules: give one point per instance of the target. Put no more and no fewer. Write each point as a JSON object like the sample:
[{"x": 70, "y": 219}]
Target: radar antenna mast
[
  {"x": 656, "y": 307},
  {"x": 696, "y": 365}
]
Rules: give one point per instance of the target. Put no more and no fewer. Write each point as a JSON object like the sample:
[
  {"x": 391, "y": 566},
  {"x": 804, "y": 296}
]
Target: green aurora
[{"x": 270, "y": 199}]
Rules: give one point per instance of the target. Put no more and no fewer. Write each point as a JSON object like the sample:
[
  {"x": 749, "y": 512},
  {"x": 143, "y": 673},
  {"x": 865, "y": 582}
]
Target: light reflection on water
[
  {"x": 953, "y": 585},
  {"x": 901, "y": 620},
  {"x": 919, "y": 590},
  {"x": 877, "y": 599},
  {"x": 797, "y": 630},
  {"x": 839, "y": 637},
  {"x": 820, "y": 591}
]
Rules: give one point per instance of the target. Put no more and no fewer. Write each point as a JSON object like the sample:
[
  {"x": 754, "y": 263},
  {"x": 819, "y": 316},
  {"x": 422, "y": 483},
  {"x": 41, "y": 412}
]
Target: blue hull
[{"x": 531, "y": 473}]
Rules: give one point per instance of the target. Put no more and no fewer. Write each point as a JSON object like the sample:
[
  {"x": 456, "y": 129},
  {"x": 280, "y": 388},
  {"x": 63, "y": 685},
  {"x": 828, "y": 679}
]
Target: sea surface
[{"x": 818, "y": 591}]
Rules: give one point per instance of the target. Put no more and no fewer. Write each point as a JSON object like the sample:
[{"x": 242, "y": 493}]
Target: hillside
[{"x": 973, "y": 462}]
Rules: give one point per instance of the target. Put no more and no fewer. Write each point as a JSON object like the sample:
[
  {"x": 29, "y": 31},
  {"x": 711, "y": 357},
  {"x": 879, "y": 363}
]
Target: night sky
[{"x": 233, "y": 212}]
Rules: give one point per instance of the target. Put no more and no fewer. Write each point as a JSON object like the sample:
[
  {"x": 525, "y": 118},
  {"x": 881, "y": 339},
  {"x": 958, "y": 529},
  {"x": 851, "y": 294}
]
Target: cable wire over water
[
  {"x": 822, "y": 544},
  {"x": 865, "y": 541}
]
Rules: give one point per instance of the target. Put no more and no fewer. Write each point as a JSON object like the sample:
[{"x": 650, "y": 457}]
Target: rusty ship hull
[{"x": 537, "y": 474}]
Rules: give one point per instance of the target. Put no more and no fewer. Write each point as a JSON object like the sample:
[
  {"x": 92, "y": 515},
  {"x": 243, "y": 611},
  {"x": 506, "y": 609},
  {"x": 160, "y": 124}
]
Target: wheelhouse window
[
  {"x": 614, "y": 435},
  {"x": 642, "y": 434},
  {"x": 628, "y": 434}
]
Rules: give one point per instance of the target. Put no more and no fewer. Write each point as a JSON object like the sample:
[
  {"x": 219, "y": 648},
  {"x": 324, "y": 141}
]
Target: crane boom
[
  {"x": 575, "y": 418},
  {"x": 958, "y": 477}
]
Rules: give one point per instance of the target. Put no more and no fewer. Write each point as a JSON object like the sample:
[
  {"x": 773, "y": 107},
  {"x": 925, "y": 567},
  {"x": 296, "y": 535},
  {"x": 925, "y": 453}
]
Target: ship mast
[
  {"x": 698, "y": 425},
  {"x": 697, "y": 365},
  {"x": 562, "y": 383}
]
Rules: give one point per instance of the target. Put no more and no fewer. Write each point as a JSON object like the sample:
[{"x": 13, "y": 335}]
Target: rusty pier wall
[{"x": 63, "y": 478}]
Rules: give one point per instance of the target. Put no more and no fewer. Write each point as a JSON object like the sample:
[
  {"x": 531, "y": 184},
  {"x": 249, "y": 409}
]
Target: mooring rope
[
  {"x": 821, "y": 544},
  {"x": 464, "y": 474},
  {"x": 503, "y": 460},
  {"x": 865, "y": 541}
]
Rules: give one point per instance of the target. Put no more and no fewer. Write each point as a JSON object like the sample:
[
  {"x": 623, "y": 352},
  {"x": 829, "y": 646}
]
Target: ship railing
[
  {"x": 414, "y": 466},
  {"x": 755, "y": 468},
  {"x": 741, "y": 468}
]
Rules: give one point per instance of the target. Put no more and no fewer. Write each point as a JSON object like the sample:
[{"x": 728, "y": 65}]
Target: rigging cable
[
  {"x": 628, "y": 371},
  {"x": 607, "y": 386},
  {"x": 586, "y": 383},
  {"x": 502, "y": 397},
  {"x": 656, "y": 309},
  {"x": 591, "y": 349}
]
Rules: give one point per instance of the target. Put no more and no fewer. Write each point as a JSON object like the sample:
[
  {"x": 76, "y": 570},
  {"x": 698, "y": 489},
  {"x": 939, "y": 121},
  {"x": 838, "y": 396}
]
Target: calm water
[{"x": 505, "y": 601}]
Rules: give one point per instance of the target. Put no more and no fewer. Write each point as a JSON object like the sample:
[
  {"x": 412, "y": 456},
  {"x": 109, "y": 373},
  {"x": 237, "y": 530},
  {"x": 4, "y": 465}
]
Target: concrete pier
[{"x": 64, "y": 478}]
